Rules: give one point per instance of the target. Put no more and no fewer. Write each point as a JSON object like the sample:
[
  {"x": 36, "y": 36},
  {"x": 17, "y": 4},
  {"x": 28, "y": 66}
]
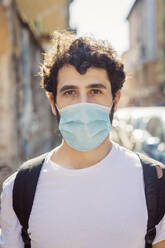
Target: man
[{"x": 90, "y": 191}]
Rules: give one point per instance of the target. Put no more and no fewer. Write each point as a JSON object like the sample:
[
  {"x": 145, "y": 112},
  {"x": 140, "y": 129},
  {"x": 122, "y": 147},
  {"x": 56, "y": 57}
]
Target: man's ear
[
  {"x": 116, "y": 99},
  {"x": 51, "y": 100}
]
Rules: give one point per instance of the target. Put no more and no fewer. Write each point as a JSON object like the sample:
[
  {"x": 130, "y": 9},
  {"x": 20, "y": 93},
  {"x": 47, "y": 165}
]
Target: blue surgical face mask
[{"x": 84, "y": 126}]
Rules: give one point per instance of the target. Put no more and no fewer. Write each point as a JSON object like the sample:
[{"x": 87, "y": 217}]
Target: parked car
[{"x": 145, "y": 129}]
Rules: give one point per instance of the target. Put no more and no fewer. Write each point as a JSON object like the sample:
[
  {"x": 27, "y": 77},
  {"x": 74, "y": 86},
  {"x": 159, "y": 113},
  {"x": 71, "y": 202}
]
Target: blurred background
[{"x": 135, "y": 28}]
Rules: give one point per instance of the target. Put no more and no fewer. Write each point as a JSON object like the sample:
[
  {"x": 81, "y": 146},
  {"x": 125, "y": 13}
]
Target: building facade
[
  {"x": 145, "y": 59},
  {"x": 27, "y": 127},
  {"x": 46, "y": 16}
]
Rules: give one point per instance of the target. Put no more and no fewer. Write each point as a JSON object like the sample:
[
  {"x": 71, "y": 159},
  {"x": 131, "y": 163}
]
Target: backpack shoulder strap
[
  {"x": 24, "y": 190},
  {"x": 154, "y": 182}
]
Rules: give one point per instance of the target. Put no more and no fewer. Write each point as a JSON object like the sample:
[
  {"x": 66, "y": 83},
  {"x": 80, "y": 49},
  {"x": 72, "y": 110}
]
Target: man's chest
[{"x": 83, "y": 213}]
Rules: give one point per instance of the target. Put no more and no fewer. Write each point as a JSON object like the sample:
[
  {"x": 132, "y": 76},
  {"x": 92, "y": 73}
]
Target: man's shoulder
[
  {"x": 137, "y": 159},
  {"x": 9, "y": 182},
  {"x": 33, "y": 161},
  {"x": 126, "y": 156}
]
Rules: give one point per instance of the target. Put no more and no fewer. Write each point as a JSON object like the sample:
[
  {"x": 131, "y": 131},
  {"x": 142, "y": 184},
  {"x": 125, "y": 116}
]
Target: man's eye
[
  {"x": 95, "y": 92},
  {"x": 69, "y": 93}
]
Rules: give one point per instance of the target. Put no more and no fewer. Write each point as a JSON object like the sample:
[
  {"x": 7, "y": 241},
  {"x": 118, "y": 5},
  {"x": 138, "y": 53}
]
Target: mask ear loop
[
  {"x": 112, "y": 111},
  {"x": 57, "y": 112},
  {"x": 58, "y": 115}
]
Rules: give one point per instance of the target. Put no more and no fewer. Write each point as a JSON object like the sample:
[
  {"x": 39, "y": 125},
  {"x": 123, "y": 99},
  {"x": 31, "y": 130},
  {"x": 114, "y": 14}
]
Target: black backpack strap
[
  {"x": 155, "y": 195},
  {"x": 23, "y": 192}
]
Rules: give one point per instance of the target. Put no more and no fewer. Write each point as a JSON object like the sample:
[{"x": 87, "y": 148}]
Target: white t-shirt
[{"x": 99, "y": 206}]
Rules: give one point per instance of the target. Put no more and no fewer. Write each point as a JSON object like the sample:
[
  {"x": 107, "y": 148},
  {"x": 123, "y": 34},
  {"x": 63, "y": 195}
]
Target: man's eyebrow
[
  {"x": 98, "y": 85},
  {"x": 91, "y": 86},
  {"x": 68, "y": 87}
]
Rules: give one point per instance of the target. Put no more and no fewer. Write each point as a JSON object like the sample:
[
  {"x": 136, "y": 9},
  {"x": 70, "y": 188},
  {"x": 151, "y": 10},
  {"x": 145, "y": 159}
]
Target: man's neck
[{"x": 70, "y": 158}]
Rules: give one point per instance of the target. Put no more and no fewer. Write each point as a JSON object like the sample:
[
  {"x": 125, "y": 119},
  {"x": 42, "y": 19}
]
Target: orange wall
[{"x": 49, "y": 14}]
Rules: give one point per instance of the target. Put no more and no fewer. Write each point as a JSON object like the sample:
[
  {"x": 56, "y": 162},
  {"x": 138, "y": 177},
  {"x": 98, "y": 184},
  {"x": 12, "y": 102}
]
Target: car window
[{"x": 155, "y": 128}]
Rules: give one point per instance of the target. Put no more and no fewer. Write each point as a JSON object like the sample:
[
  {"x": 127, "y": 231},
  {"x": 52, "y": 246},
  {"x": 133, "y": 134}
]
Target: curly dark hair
[{"x": 83, "y": 53}]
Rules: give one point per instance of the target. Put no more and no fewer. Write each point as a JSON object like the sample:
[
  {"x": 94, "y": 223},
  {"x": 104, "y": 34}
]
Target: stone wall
[{"x": 27, "y": 127}]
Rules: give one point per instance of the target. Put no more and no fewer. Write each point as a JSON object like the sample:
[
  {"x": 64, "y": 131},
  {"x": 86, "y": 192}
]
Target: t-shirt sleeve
[
  {"x": 160, "y": 231},
  {"x": 10, "y": 232}
]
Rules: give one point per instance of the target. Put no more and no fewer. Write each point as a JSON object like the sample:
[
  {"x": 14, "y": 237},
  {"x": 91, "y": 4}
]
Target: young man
[{"x": 90, "y": 191}]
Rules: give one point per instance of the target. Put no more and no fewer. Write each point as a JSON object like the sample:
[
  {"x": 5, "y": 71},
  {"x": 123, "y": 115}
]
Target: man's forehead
[{"x": 68, "y": 75}]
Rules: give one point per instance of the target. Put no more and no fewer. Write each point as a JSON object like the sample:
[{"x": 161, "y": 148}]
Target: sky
[{"x": 106, "y": 19}]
